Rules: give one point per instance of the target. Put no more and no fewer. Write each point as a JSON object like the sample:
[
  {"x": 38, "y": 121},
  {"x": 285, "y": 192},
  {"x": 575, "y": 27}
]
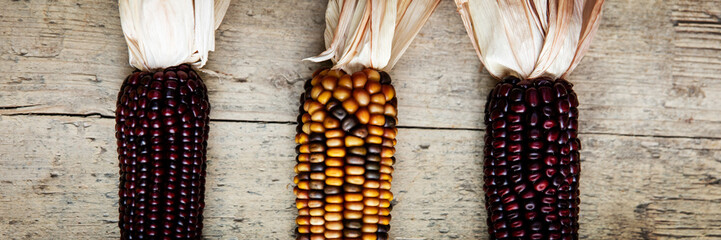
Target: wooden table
[{"x": 650, "y": 92}]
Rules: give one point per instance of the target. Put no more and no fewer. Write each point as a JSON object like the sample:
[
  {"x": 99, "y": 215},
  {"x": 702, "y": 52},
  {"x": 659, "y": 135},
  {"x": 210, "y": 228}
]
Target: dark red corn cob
[
  {"x": 162, "y": 128},
  {"x": 531, "y": 163}
]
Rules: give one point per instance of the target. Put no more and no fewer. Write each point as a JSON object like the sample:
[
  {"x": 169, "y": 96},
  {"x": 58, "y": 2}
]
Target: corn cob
[
  {"x": 531, "y": 163},
  {"x": 162, "y": 117},
  {"x": 531, "y": 158},
  {"x": 161, "y": 130},
  {"x": 346, "y": 138},
  {"x": 347, "y": 122}
]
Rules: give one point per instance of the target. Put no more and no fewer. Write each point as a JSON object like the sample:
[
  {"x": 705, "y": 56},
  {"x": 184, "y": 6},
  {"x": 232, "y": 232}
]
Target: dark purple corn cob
[
  {"x": 531, "y": 163},
  {"x": 162, "y": 129}
]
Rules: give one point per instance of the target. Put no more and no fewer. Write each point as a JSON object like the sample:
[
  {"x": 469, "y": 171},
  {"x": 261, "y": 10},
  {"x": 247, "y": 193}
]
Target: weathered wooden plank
[
  {"x": 652, "y": 70},
  {"x": 59, "y": 179}
]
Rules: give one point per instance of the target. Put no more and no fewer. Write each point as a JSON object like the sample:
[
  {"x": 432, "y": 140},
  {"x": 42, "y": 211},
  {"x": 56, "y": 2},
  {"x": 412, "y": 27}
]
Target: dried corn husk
[
  {"x": 530, "y": 38},
  {"x": 371, "y": 33},
  {"x": 166, "y": 33}
]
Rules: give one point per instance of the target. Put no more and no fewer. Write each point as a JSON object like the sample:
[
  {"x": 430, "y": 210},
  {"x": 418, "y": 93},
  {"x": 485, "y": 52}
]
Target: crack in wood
[
  {"x": 651, "y": 136},
  {"x": 679, "y": 22},
  {"x": 102, "y": 116},
  {"x": 96, "y": 115},
  {"x": 17, "y": 107}
]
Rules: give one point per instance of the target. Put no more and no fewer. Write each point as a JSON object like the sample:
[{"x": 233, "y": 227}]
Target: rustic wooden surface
[{"x": 650, "y": 91}]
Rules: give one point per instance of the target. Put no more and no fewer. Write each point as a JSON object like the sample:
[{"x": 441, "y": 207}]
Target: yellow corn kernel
[
  {"x": 385, "y": 220},
  {"x": 373, "y": 86},
  {"x": 359, "y": 79},
  {"x": 369, "y": 192},
  {"x": 385, "y": 185},
  {"x": 371, "y": 219},
  {"x": 386, "y": 169},
  {"x": 387, "y": 195},
  {"x": 353, "y": 197},
  {"x": 303, "y": 157},
  {"x": 317, "y": 176},
  {"x": 318, "y": 116},
  {"x": 334, "y": 142},
  {"x": 361, "y": 96},
  {"x": 354, "y": 206},
  {"x": 355, "y": 179},
  {"x": 301, "y": 138},
  {"x": 369, "y": 228},
  {"x": 317, "y": 127},
  {"x": 334, "y": 181},
  {"x": 371, "y": 184},
  {"x": 384, "y": 211},
  {"x": 373, "y": 202},
  {"x": 334, "y": 162},
  {"x": 354, "y": 170},
  {"x": 302, "y": 220},
  {"x": 388, "y": 91},
  {"x": 334, "y": 199},
  {"x": 324, "y": 97},
  {"x": 315, "y": 203},
  {"x": 304, "y": 148},
  {"x": 378, "y": 98},
  {"x": 387, "y": 161},
  {"x": 336, "y": 73},
  {"x": 315, "y": 212},
  {"x": 302, "y": 167},
  {"x": 333, "y": 233},
  {"x": 345, "y": 81},
  {"x": 369, "y": 236},
  {"x": 350, "y": 105},
  {"x": 384, "y": 203},
  {"x": 375, "y": 108},
  {"x": 353, "y": 141},
  {"x": 300, "y": 204},
  {"x": 387, "y": 152},
  {"x": 315, "y": 106},
  {"x": 389, "y": 110},
  {"x": 335, "y": 133},
  {"x": 330, "y": 123},
  {"x": 333, "y": 207},
  {"x": 329, "y": 82},
  {"x": 374, "y": 139},
  {"x": 348, "y": 214},
  {"x": 373, "y": 75},
  {"x": 368, "y": 210},
  {"x": 317, "y": 229},
  {"x": 332, "y": 217},
  {"x": 375, "y": 130}
]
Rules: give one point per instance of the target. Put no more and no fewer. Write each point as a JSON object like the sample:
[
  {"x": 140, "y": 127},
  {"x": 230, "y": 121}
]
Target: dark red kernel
[{"x": 532, "y": 97}]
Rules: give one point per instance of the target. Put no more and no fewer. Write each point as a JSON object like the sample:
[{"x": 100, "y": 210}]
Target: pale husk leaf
[
  {"x": 530, "y": 38},
  {"x": 371, "y": 33},
  {"x": 166, "y": 33}
]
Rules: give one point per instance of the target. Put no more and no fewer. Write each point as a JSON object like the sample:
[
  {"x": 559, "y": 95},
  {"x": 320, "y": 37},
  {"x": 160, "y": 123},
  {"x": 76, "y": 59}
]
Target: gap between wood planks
[{"x": 400, "y": 126}]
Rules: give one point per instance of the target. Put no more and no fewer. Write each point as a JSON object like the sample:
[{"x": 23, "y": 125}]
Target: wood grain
[
  {"x": 62, "y": 179},
  {"x": 650, "y": 71},
  {"x": 650, "y": 94}
]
